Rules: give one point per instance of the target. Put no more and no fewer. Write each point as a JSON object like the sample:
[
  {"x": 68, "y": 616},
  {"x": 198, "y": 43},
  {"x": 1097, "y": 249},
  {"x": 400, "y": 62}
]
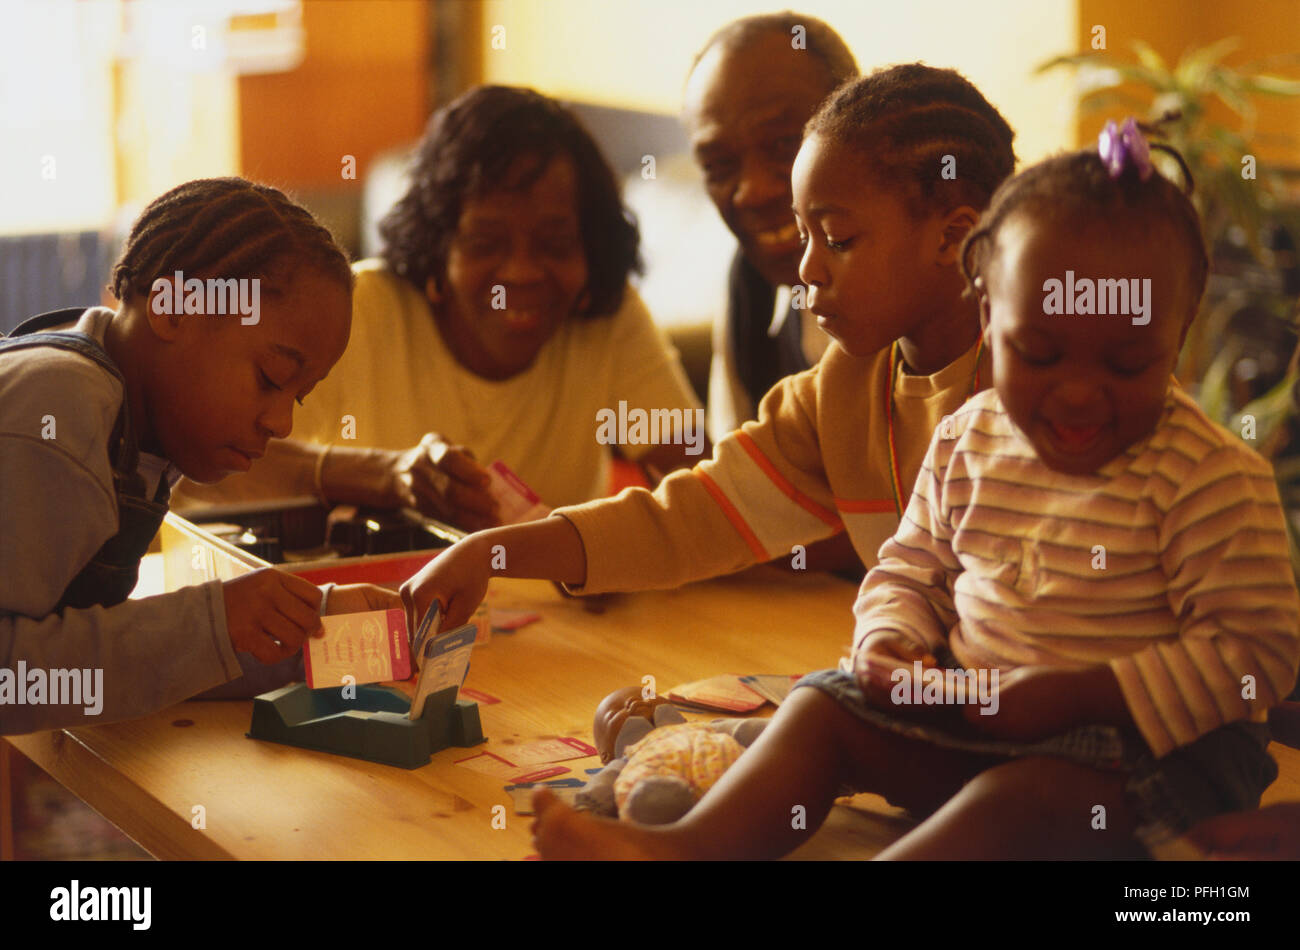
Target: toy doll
[{"x": 658, "y": 765}]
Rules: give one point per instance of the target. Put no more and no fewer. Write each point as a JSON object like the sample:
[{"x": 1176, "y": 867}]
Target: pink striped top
[{"x": 1170, "y": 563}]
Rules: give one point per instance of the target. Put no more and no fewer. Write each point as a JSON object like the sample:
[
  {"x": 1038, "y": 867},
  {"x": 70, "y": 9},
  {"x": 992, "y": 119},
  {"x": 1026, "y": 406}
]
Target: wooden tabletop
[{"x": 262, "y": 800}]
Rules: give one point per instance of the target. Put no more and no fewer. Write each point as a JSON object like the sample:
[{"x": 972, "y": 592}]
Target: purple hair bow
[{"x": 1119, "y": 146}]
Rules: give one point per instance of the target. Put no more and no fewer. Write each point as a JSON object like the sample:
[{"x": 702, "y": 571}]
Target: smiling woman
[{"x": 497, "y": 324}]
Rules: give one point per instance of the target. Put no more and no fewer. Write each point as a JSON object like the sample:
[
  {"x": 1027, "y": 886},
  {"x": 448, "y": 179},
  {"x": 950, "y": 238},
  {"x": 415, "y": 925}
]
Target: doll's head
[{"x": 615, "y": 710}]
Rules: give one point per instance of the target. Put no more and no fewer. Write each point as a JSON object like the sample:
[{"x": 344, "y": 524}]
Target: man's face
[
  {"x": 745, "y": 111},
  {"x": 1082, "y": 388}
]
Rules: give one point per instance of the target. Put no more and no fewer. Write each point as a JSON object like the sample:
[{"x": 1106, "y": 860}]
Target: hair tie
[{"x": 1120, "y": 146}]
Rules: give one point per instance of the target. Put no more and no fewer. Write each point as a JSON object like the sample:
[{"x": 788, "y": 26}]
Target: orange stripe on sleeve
[
  {"x": 733, "y": 515},
  {"x": 865, "y": 507},
  {"x": 779, "y": 480}
]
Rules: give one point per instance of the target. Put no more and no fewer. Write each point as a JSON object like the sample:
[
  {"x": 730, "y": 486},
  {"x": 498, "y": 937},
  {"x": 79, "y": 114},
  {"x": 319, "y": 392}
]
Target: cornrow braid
[
  {"x": 908, "y": 121},
  {"x": 226, "y": 228},
  {"x": 1077, "y": 186}
]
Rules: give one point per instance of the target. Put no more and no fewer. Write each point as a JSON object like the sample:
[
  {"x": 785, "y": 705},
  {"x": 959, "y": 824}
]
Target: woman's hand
[{"x": 443, "y": 481}]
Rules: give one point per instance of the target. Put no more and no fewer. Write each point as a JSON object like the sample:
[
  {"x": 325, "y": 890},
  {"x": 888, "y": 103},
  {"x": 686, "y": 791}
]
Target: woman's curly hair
[{"x": 469, "y": 149}]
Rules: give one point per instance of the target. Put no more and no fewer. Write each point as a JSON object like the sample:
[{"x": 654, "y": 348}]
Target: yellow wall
[
  {"x": 56, "y": 111},
  {"x": 172, "y": 127},
  {"x": 362, "y": 87},
  {"x": 636, "y": 54}
]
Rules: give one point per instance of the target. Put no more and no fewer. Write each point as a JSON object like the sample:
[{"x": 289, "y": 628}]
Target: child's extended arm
[
  {"x": 763, "y": 492},
  {"x": 549, "y": 549}
]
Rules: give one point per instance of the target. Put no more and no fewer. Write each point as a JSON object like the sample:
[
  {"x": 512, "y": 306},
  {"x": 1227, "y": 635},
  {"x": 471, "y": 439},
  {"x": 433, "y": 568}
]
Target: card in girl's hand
[
  {"x": 427, "y": 628},
  {"x": 370, "y": 646},
  {"x": 516, "y": 502},
  {"x": 444, "y": 661}
]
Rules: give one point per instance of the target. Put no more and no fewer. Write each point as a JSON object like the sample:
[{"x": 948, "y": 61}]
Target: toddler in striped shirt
[{"x": 1105, "y": 571}]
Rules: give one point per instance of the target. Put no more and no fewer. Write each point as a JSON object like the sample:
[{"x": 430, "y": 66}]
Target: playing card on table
[
  {"x": 508, "y": 619},
  {"x": 490, "y": 764},
  {"x": 772, "y": 688},
  {"x": 565, "y": 789},
  {"x": 722, "y": 693},
  {"x": 541, "y": 751}
]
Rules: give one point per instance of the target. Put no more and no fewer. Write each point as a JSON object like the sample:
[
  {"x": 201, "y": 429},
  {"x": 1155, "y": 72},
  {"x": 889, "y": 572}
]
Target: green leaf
[
  {"x": 1213, "y": 392},
  {"x": 1272, "y": 85},
  {"x": 1077, "y": 60},
  {"x": 1227, "y": 86},
  {"x": 1269, "y": 62},
  {"x": 1194, "y": 65},
  {"x": 1270, "y": 410},
  {"x": 1112, "y": 100},
  {"x": 1129, "y": 72},
  {"x": 1149, "y": 58}
]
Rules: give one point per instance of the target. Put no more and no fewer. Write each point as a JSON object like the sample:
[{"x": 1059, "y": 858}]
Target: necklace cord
[{"x": 895, "y": 475}]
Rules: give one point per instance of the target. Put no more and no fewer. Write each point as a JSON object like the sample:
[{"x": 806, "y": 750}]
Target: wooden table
[
  {"x": 267, "y": 801},
  {"x": 263, "y": 800}
]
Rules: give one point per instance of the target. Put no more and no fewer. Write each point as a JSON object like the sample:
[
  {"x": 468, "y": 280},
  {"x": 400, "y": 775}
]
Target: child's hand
[
  {"x": 457, "y": 578},
  {"x": 267, "y": 606},
  {"x": 877, "y": 658},
  {"x": 443, "y": 481},
  {"x": 1270, "y": 834},
  {"x": 352, "y": 598}
]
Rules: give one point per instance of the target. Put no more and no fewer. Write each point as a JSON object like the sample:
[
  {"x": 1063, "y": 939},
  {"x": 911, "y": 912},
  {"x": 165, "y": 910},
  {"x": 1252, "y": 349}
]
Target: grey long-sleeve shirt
[{"x": 57, "y": 508}]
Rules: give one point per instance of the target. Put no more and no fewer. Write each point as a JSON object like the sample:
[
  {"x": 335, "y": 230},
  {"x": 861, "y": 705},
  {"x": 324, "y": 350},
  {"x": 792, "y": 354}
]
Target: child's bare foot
[{"x": 562, "y": 834}]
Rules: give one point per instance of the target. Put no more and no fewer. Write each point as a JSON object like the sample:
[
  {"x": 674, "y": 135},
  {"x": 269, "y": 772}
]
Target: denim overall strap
[{"x": 111, "y": 574}]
